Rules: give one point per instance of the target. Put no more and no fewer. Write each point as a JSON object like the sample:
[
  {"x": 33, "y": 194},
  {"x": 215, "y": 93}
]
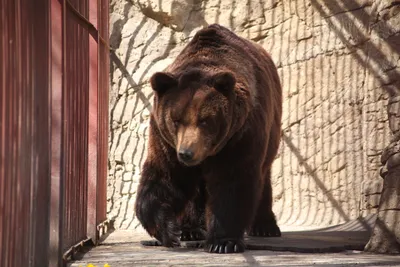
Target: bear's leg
[
  {"x": 264, "y": 223},
  {"x": 159, "y": 202},
  {"x": 231, "y": 205},
  {"x": 193, "y": 222}
]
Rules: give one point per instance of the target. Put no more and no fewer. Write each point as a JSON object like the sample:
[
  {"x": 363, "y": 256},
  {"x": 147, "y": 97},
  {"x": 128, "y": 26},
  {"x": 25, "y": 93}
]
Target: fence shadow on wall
[
  {"x": 132, "y": 100},
  {"x": 334, "y": 123},
  {"x": 369, "y": 55}
]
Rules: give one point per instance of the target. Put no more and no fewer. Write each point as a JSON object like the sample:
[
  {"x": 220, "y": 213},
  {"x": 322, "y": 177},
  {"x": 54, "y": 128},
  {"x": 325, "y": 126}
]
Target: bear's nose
[{"x": 185, "y": 154}]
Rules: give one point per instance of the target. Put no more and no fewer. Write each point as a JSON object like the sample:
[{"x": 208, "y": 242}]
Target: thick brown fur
[{"x": 214, "y": 133}]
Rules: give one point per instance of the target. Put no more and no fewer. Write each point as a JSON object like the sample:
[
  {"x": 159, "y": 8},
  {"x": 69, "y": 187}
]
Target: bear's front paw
[
  {"x": 193, "y": 234},
  {"x": 226, "y": 245},
  {"x": 169, "y": 234},
  {"x": 265, "y": 230}
]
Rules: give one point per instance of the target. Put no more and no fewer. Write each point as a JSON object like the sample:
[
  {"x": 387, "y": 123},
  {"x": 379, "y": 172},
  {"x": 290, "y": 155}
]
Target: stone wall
[{"x": 337, "y": 63}]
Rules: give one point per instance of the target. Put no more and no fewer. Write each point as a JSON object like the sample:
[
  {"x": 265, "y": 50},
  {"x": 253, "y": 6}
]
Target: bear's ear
[
  {"x": 224, "y": 81},
  {"x": 162, "y": 81}
]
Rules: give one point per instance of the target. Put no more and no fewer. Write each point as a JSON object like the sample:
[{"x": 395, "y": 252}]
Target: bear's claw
[
  {"x": 193, "y": 234},
  {"x": 267, "y": 230},
  {"x": 170, "y": 237},
  {"x": 227, "y": 246}
]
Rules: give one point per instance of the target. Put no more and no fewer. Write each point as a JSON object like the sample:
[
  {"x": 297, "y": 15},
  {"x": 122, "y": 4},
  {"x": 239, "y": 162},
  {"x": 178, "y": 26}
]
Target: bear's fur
[{"x": 214, "y": 133}]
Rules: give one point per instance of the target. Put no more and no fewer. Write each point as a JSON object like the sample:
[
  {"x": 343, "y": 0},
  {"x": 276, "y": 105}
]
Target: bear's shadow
[{"x": 353, "y": 235}]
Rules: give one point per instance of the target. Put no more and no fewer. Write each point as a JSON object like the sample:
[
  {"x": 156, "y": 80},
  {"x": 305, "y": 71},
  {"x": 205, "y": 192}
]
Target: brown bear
[{"x": 214, "y": 132}]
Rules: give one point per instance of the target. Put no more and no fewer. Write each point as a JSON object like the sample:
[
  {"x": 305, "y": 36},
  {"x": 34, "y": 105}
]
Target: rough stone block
[{"x": 337, "y": 61}]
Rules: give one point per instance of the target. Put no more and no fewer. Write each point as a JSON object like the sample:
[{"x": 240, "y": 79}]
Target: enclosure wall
[{"x": 337, "y": 61}]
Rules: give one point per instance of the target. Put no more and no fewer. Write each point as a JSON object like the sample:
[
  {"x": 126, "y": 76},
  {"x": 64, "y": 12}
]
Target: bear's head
[{"x": 195, "y": 112}]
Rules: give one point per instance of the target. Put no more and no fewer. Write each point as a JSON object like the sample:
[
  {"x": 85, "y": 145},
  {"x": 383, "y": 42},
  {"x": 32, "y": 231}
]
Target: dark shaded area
[
  {"x": 352, "y": 235},
  {"x": 386, "y": 233}
]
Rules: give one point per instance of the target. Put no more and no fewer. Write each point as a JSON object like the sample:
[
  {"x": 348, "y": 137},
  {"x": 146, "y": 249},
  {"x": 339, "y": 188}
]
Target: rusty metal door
[{"x": 53, "y": 128}]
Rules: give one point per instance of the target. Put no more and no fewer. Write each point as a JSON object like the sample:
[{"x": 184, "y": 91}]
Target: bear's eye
[
  {"x": 203, "y": 123},
  {"x": 176, "y": 123}
]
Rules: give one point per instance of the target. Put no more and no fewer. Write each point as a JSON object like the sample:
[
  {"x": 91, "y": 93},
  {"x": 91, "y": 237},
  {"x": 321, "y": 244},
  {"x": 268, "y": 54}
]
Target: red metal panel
[
  {"x": 54, "y": 107},
  {"x": 40, "y": 126},
  {"x": 57, "y": 67},
  {"x": 75, "y": 134},
  {"x": 104, "y": 57},
  {"x": 93, "y": 126},
  {"x": 24, "y": 133},
  {"x": 8, "y": 136}
]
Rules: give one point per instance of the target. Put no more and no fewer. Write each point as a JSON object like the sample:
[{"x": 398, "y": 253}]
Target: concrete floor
[{"x": 328, "y": 247}]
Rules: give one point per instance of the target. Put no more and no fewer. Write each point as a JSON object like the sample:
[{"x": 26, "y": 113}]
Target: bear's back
[{"x": 216, "y": 48}]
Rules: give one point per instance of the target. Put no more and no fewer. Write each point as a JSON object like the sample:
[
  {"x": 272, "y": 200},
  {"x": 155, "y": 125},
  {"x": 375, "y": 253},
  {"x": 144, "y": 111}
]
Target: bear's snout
[
  {"x": 192, "y": 154},
  {"x": 190, "y": 146},
  {"x": 185, "y": 155}
]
